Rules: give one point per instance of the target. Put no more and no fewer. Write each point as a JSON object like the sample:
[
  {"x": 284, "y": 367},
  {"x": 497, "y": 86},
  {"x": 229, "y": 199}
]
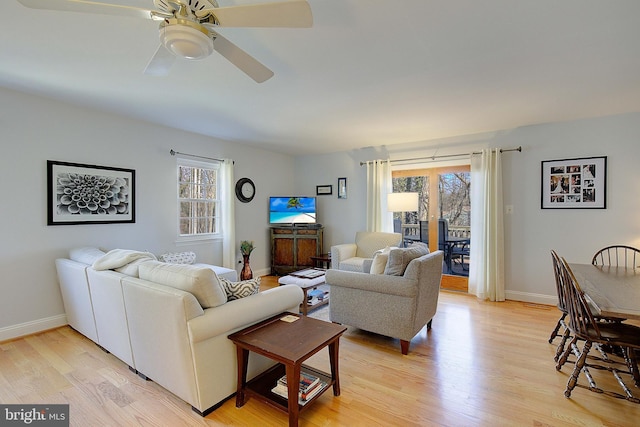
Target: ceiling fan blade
[
  {"x": 160, "y": 62},
  {"x": 286, "y": 14},
  {"x": 87, "y": 6},
  {"x": 241, "y": 59}
]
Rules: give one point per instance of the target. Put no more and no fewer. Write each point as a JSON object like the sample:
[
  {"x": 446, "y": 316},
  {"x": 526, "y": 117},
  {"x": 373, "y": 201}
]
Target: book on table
[
  {"x": 316, "y": 293},
  {"x": 309, "y": 273},
  {"x": 310, "y": 385},
  {"x": 303, "y": 398},
  {"x": 307, "y": 381}
]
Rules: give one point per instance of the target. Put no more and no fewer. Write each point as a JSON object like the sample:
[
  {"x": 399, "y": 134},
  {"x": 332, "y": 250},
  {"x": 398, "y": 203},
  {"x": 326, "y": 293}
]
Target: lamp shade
[{"x": 402, "y": 202}]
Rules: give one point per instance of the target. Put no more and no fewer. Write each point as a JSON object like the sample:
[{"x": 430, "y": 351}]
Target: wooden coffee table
[{"x": 290, "y": 344}]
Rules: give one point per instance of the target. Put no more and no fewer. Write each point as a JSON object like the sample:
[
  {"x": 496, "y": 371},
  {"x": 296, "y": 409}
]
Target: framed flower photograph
[
  {"x": 574, "y": 183},
  {"x": 89, "y": 194}
]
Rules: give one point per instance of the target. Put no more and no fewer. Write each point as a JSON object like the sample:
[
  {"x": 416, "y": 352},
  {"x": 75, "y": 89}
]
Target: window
[{"x": 198, "y": 199}]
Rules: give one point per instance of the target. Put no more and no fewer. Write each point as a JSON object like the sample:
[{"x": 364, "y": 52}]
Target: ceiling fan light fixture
[{"x": 186, "y": 42}]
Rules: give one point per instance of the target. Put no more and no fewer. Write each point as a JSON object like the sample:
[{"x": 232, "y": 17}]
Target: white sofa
[{"x": 162, "y": 332}]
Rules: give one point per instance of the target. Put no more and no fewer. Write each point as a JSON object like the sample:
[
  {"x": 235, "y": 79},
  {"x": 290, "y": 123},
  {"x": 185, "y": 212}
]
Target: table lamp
[{"x": 402, "y": 202}]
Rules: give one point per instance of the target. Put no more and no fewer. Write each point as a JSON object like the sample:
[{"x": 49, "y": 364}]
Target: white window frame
[{"x": 211, "y": 165}]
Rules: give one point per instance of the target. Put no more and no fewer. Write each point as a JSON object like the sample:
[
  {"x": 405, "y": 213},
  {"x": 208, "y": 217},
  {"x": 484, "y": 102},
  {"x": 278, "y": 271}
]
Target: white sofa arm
[
  {"x": 243, "y": 312},
  {"x": 342, "y": 252}
]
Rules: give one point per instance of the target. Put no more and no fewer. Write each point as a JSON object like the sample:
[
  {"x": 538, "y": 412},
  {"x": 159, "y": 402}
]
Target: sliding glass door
[{"x": 443, "y": 219}]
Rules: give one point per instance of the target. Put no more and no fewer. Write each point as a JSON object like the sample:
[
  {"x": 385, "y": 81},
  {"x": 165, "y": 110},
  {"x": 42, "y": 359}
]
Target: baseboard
[
  {"x": 28, "y": 328},
  {"x": 533, "y": 298}
]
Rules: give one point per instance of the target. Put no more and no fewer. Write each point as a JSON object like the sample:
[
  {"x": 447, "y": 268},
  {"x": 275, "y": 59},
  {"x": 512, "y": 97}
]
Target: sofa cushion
[
  {"x": 178, "y": 257},
  {"x": 132, "y": 268},
  {"x": 86, "y": 255},
  {"x": 399, "y": 258},
  {"x": 244, "y": 288},
  {"x": 353, "y": 264},
  {"x": 380, "y": 261},
  {"x": 201, "y": 282}
]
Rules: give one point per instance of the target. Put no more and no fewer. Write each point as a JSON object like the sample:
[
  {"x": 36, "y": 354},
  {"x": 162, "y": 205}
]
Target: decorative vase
[{"x": 246, "y": 272}]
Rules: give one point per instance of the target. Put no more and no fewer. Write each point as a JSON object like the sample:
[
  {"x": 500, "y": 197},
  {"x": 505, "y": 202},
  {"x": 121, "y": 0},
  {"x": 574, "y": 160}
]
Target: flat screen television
[{"x": 292, "y": 210}]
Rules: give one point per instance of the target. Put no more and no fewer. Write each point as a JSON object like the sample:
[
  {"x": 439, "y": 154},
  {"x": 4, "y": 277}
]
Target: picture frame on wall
[
  {"x": 342, "y": 188},
  {"x": 89, "y": 194},
  {"x": 324, "y": 190},
  {"x": 579, "y": 183}
]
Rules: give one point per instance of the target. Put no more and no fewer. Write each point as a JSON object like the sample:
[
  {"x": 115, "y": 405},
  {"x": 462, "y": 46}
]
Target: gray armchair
[
  {"x": 395, "y": 306},
  {"x": 358, "y": 256}
]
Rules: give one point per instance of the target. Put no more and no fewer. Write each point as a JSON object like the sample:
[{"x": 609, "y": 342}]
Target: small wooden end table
[
  {"x": 290, "y": 344},
  {"x": 322, "y": 260}
]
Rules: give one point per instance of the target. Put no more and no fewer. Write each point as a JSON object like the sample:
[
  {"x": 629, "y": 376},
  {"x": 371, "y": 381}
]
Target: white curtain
[
  {"x": 486, "y": 271},
  {"x": 228, "y": 212},
  {"x": 378, "y": 186}
]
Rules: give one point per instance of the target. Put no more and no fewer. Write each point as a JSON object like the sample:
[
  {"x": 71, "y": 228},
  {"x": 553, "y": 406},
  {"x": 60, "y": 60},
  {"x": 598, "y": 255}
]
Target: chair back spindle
[{"x": 617, "y": 256}]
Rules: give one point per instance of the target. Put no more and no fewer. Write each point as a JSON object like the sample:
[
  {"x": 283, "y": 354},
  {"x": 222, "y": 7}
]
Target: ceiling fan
[{"x": 188, "y": 27}]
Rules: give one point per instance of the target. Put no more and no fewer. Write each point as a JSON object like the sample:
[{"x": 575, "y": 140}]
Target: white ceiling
[{"x": 367, "y": 73}]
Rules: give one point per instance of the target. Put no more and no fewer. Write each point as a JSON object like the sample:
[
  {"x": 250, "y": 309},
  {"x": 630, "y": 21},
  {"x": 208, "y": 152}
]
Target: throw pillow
[
  {"x": 401, "y": 257},
  {"x": 203, "y": 283},
  {"x": 178, "y": 257},
  {"x": 244, "y": 288},
  {"x": 380, "y": 259}
]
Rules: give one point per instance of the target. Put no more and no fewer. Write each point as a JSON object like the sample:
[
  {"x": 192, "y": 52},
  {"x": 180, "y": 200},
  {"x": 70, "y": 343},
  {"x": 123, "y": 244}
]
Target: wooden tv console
[{"x": 292, "y": 248}]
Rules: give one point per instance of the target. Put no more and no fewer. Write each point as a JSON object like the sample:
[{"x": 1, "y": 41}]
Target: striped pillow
[{"x": 237, "y": 290}]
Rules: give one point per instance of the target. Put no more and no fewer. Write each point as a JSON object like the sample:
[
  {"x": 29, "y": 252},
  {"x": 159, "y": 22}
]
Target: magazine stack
[{"x": 310, "y": 385}]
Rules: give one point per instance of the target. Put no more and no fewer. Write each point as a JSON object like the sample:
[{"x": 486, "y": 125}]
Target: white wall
[
  {"x": 530, "y": 231},
  {"x": 36, "y": 129}
]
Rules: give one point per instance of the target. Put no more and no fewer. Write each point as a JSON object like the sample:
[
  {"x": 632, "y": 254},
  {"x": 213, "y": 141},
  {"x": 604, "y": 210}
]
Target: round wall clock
[{"x": 245, "y": 190}]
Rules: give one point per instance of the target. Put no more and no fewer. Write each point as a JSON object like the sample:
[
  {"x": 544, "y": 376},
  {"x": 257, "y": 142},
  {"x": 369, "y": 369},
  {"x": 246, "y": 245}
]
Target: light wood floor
[{"x": 482, "y": 364}]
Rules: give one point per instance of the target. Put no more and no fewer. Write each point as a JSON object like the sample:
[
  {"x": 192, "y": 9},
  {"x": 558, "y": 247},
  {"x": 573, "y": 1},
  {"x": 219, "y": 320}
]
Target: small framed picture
[
  {"x": 324, "y": 190},
  {"x": 342, "y": 188},
  {"x": 574, "y": 183}
]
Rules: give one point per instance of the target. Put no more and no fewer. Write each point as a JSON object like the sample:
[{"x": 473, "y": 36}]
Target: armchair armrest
[
  {"x": 342, "y": 252},
  {"x": 391, "y": 285}
]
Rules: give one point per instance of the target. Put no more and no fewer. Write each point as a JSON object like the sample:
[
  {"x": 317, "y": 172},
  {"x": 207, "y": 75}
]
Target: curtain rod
[
  {"x": 173, "y": 153},
  {"x": 444, "y": 156}
]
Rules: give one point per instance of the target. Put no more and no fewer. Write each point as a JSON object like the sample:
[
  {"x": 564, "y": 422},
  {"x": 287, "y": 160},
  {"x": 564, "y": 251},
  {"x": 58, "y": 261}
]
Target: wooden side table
[
  {"x": 322, "y": 260},
  {"x": 290, "y": 344}
]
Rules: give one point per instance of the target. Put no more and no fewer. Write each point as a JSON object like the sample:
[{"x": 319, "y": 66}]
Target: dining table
[{"x": 613, "y": 291}]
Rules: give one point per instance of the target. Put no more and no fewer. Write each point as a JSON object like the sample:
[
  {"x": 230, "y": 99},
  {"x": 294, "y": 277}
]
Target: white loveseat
[{"x": 162, "y": 332}]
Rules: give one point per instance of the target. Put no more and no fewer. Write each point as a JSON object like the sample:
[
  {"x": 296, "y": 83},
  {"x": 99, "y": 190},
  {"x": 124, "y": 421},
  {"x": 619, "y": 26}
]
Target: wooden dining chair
[
  {"x": 561, "y": 323},
  {"x": 617, "y": 256},
  {"x": 586, "y": 328}
]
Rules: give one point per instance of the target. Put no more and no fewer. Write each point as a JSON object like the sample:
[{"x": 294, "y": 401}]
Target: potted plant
[{"x": 246, "y": 247}]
